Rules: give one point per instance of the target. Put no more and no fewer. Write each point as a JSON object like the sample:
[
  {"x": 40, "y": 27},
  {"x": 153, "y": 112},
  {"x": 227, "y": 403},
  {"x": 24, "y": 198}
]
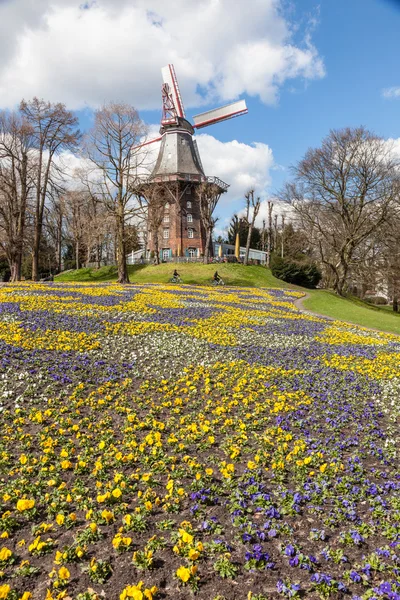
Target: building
[
  {"x": 179, "y": 229},
  {"x": 228, "y": 251},
  {"x": 179, "y": 169}
]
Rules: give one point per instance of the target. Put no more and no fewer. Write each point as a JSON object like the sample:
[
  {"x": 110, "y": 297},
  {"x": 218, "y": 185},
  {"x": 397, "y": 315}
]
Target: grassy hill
[
  {"x": 352, "y": 310},
  {"x": 319, "y": 301},
  {"x": 193, "y": 273}
]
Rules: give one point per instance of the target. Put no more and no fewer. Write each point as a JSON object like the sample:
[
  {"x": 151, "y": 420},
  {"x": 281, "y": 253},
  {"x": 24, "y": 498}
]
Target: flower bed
[{"x": 159, "y": 441}]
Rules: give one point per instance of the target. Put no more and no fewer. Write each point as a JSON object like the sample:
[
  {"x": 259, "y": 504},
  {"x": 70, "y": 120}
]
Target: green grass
[
  {"x": 352, "y": 310},
  {"x": 193, "y": 273}
]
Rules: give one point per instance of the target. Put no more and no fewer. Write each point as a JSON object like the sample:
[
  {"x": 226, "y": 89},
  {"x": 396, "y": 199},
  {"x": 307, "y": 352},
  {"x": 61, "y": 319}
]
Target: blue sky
[
  {"x": 346, "y": 53},
  {"x": 359, "y": 41}
]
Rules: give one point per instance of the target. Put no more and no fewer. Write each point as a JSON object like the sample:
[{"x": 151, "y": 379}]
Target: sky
[{"x": 304, "y": 67}]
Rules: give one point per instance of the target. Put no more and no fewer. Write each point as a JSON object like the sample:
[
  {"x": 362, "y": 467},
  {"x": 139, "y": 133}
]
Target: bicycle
[
  {"x": 175, "y": 280},
  {"x": 217, "y": 282}
]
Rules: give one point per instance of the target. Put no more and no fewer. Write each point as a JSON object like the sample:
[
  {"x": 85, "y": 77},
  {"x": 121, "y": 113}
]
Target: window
[
  {"x": 166, "y": 234},
  {"x": 190, "y": 233},
  {"x": 166, "y": 218},
  {"x": 165, "y": 253},
  {"x": 190, "y": 218},
  {"x": 167, "y": 205},
  {"x": 188, "y": 204},
  {"x": 192, "y": 252}
]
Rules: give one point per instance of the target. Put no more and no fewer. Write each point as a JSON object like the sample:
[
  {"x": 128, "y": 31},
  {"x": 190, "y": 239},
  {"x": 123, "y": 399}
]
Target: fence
[{"x": 182, "y": 259}]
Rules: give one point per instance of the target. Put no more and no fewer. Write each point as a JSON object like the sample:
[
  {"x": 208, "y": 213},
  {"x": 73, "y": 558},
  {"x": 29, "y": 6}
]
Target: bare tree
[
  {"x": 388, "y": 263},
  {"x": 208, "y": 195},
  {"x": 153, "y": 196},
  {"x": 269, "y": 242},
  {"x": 341, "y": 195},
  {"x": 53, "y": 130},
  {"x": 55, "y": 217},
  {"x": 75, "y": 202},
  {"x": 252, "y": 210},
  {"x": 274, "y": 244},
  {"x": 282, "y": 235},
  {"x": 16, "y": 163},
  {"x": 113, "y": 148}
]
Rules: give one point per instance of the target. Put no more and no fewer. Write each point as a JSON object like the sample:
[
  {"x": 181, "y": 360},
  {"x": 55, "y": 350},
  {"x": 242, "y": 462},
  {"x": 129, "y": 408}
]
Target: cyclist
[
  {"x": 217, "y": 278},
  {"x": 176, "y": 278}
]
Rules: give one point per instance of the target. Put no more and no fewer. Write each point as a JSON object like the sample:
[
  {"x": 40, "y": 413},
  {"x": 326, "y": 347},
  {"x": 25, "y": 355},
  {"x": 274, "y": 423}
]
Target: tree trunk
[
  {"x": 14, "y": 269},
  {"x": 269, "y": 240},
  {"x": 35, "y": 254},
  {"x": 59, "y": 243},
  {"x": 246, "y": 256},
  {"x": 18, "y": 267},
  {"x": 98, "y": 253},
  {"x": 77, "y": 254},
  {"x": 340, "y": 285},
  {"x": 123, "y": 276},
  {"x": 88, "y": 254},
  {"x": 395, "y": 297},
  {"x": 22, "y": 216},
  {"x": 207, "y": 246}
]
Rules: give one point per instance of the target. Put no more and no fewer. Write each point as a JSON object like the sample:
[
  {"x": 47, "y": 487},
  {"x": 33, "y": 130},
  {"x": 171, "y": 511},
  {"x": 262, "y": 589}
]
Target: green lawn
[
  {"x": 354, "y": 311},
  {"x": 194, "y": 273}
]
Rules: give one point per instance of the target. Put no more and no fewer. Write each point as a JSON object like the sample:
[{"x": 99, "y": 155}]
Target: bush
[
  {"x": 297, "y": 272},
  {"x": 380, "y": 300}
]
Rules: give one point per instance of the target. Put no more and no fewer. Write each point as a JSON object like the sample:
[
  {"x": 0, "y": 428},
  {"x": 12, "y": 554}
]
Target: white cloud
[
  {"x": 86, "y": 55},
  {"x": 243, "y": 166},
  {"x": 392, "y": 92}
]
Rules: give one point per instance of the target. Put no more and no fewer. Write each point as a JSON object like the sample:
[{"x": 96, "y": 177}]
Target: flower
[
  {"x": 183, "y": 573},
  {"x": 193, "y": 554},
  {"x": 63, "y": 573},
  {"x": 186, "y": 537},
  {"x": 4, "y": 591},
  {"x": 60, "y": 519},
  {"x": 138, "y": 592},
  {"x": 25, "y": 504},
  {"x": 5, "y": 554}
]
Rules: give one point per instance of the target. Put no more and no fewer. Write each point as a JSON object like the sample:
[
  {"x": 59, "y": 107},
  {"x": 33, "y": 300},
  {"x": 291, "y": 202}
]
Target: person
[
  {"x": 176, "y": 274},
  {"x": 217, "y": 278}
]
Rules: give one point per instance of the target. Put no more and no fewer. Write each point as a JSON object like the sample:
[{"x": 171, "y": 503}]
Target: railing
[
  {"x": 183, "y": 259},
  {"x": 218, "y": 182},
  {"x": 190, "y": 177}
]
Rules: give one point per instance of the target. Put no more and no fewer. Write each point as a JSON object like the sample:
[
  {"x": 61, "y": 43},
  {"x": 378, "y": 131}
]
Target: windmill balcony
[{"x": 190, "y": 177}]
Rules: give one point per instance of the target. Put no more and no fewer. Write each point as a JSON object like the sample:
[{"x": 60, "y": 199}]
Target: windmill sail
[
  {"x": 235, "y": 109},
  {"x": 169, "y": 77}
]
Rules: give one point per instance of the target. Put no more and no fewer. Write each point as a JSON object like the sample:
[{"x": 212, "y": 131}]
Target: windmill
[{"x": 179, "y": 167}]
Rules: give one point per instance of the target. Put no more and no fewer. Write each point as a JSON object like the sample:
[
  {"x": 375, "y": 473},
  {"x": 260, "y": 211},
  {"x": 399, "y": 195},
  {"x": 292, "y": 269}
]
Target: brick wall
[{"x": 180, "y": 225}]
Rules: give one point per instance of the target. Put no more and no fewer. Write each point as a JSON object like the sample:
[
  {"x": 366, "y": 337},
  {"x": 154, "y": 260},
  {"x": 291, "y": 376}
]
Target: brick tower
[{"x": 179, "y": 168}]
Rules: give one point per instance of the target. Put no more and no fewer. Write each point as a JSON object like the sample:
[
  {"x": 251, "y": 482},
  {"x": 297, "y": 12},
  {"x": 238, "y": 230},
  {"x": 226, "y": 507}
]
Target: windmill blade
[
  {"x": 235, "y": 109},
  {"x": 158, "y": 139},
  {"x": 169, "y": 77}
]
